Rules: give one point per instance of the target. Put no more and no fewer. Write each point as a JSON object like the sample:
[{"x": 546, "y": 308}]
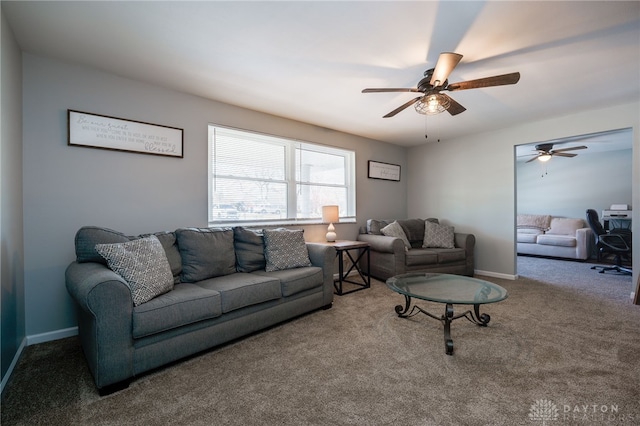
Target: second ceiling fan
[
  {"x": 435, "y": 81},
  {"x": 546, "y": 151}
]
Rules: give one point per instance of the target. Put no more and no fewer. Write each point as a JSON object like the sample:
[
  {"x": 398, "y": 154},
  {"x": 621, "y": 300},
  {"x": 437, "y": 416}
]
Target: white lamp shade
[{"x": 330, "y": 214}]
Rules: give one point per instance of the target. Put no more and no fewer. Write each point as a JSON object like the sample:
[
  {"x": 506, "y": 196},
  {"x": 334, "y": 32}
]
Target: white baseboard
[
  {"x": 34, "y": 339},
  {"x": 14, "y": 362},
  {"x": 495, "y": 274}
]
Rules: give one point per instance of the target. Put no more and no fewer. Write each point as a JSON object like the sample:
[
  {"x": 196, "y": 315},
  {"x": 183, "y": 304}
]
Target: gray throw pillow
[
  {"x": 395, "y": 230},
  {"x": 438, "y": 236},
  {"x": 285, "y": 249},
  {"x": 143, "y": 264},
  {"x": 206, "y": 253},
  {"x": 374, "y": 226},
  {"x": 413, "y": 230},
  {"x": 249, "y": 246}
]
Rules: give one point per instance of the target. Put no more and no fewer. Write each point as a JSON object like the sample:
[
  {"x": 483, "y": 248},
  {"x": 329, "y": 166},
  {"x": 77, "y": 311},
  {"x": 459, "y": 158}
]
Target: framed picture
[
  {"x": 385, "y": 171},
  {"x": 118, "y": 134}
]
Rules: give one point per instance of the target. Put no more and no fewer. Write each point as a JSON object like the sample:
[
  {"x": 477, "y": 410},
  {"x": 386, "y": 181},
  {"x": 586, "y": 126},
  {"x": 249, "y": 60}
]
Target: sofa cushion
[
  {"x": 438, "y": 236},
  {"x": 88, "y": 236},
  {"x": 205, "y": 253},
  {"x": 240, "y": 289},
  {"x": 185, "y": 304},
  {"x": 526, "y": 237},
  {"x": 395, "y": 230},
  {"x": 293, "y": 281},
  {"x": 533, "y": 221},
  {"x": 374, "y": 226},
  {"x": 285, "y": 249},
  {"x": 565, "y": 226},
  {"x": 417, "y": 257},
  {"x": 557, "y": 240},
  {"x": 450, "y": 255},
  {"x": 143, "y": 264},
  {"x": 249, "y": 247},
  {"x": 530, "y": 231}
]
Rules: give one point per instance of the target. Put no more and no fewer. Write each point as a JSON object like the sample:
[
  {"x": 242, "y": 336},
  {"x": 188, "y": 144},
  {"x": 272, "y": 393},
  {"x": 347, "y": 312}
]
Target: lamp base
[{"x": 331, "y": 235}]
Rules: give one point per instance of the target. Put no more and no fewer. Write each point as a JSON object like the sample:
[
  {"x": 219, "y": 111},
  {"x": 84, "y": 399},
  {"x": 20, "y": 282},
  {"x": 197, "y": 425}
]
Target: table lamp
[{"x": 330, "y": 214}]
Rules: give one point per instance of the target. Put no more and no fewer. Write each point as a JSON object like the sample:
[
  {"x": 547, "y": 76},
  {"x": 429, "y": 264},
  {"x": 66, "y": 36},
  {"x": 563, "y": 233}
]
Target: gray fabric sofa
[
  {"x": 223, "y": 287},
  {"x": 553, "y": 236},
  {"x": 390, "y": 255}
]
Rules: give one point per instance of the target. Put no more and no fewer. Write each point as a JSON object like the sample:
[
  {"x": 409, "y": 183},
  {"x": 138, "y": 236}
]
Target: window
[{"x": 256, "y": 178}]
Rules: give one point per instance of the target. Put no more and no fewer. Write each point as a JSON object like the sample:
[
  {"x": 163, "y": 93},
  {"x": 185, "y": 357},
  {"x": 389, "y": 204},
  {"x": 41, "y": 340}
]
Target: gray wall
[
  {"x": 66, "y": 187},
  {"x": 12, "y": 331},
  {"x": 470, "y": 181},
  {"x": 572, "y": 185}
]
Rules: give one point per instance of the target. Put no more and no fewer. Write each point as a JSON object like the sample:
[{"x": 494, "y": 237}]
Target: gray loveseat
[
  {"x": 409, "y": 251},
  {"x": 218, "y": 285}
]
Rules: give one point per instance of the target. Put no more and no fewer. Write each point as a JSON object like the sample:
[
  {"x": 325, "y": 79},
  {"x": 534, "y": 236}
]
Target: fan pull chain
[
  {"x": 543, "y": 166},
  {"x": 426, "y": 136}
]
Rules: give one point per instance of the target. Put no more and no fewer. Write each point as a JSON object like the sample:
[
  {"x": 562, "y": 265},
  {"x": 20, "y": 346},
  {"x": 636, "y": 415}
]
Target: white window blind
[{"x": 267, "y": 179}]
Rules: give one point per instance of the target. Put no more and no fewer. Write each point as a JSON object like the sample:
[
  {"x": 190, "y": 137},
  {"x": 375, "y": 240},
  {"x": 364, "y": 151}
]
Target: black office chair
[{"x": 616, "y": 242}]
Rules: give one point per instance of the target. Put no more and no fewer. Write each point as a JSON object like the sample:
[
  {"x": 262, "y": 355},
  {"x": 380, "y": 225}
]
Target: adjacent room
[
  {"x": 558, "y": 181},
  {"x": 234, "y": 212}
]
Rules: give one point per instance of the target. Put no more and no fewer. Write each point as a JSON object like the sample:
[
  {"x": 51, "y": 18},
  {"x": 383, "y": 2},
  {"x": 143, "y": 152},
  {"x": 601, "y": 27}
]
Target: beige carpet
[{"x": 561, "y": 353}]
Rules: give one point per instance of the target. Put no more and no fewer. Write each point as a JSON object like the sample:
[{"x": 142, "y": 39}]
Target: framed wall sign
[
  {"x": 386, "y": 171},
  {"x": 118, "y": 134}
]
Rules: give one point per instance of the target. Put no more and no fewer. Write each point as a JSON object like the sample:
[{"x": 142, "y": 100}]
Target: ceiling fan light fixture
[
  {"x": 432, "y": 104},
  {"x": 544, "y": 157}
]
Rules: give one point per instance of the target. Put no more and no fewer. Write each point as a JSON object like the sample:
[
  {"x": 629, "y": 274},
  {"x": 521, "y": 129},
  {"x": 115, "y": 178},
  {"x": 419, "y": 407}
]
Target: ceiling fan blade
[
  {"x": 562, "y": 154},
  {"x": 404, "y": 106},
  {"x": 497, "y": 80},
  {"x": 454, "y": 107},
  {"x": 447, "y": 61},
  {"x": 534, "y": 158},
  {"x": 555, "y": 151},
  {"x": 391, "y": 89}
]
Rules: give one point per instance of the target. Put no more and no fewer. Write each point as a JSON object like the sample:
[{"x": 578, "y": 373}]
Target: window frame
[{"x": 348, "y": 215}]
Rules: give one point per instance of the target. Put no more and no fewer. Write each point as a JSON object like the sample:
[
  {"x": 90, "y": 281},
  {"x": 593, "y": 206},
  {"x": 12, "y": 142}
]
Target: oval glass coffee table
[{"x": 450, "y": 290}]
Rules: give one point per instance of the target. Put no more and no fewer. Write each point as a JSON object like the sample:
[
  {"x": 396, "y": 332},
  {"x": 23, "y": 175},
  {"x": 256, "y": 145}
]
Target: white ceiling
[
  {"x": 596, "y": 143},
  {"x": 309, "y": 61}
]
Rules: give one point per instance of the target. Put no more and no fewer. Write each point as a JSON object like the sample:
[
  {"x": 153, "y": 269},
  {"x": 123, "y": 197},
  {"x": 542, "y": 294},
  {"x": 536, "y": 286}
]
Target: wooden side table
[{"x": 351, "y": 248}]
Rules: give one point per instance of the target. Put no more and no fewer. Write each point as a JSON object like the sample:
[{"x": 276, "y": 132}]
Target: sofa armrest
[
  {"x": 105, "y": 320},
  {"x": 465, "y": 241},
  {"x": 468, "y": 243},
  {"x": 584, "y": 243},
  {"x": 383, "y": 243},
  {"x": 324, "y": 256}
]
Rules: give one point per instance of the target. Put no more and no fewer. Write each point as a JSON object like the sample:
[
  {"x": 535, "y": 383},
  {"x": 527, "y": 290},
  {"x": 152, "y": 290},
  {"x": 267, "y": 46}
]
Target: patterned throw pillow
[
  {"x": 285, "y": 249},
  {"x": 438, "y": 236},
  {"x": 143, "y": 264},
  {"x": 395, "y": 230}
]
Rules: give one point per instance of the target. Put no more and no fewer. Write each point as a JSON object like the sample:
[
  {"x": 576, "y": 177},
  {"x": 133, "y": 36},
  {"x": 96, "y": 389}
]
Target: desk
[
  {"x": 610, "y": 222},
  {"x": 359, "y": 248}
]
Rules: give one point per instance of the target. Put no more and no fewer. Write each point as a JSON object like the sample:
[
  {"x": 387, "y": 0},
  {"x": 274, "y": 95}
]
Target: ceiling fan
[
  {"x": 546, "y": 151},
  {"x": 431, "y": 100}
]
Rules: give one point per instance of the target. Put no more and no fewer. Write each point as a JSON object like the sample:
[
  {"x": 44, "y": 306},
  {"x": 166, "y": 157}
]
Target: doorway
[{"x": 597, "y": 175}]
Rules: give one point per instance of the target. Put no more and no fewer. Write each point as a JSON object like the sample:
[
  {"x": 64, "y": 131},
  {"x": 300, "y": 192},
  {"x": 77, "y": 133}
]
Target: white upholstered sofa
[{"x": 546, "y": 235}]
